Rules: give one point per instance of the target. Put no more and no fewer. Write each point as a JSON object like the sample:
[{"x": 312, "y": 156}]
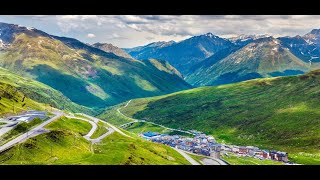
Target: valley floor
[
  {"x": 139, "y": 126},
  {"x": 82, "y": 140}
]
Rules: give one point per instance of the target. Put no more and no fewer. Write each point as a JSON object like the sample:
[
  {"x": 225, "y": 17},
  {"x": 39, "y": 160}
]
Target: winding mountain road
[
  {"x": 112, "y": 126},
  {"x": 139, "y": 120},
  {"x": 33, "y": 132},
  {"x": 93, "y": 129},
  {"x": 93, "y": 124}
]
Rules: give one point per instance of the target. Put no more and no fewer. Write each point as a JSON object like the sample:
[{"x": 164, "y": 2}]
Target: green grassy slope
[
  {"x": 275, "y": 113},
  {"x": 40, "y": 92},
  {"x": 142, "y": 127},
  {"x": 13, "y": 101},
  {"x": 86, "y": 75},
  {"x": 112, "y": 116},
  {"x": 101, "y": 130},
  {"x": 65, "y": 145}
]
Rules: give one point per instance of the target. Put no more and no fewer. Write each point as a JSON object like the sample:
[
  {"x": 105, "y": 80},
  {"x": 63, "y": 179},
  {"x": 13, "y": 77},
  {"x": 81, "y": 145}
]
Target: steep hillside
[
  {"x": 13, "y": 101},
  {"x": 265, "y": 57},
  {"x": 65, "y": 145},
  {"x": 86, "y": 75},
  {"x": 183, "y": 55},
  {"x": 147, "y": 51},
  {"x": 112, "y": 49},
  {"x": 276, "y": 113},
  {"x": 305, "y": 47},
  {"x": 40, "y": 92}
]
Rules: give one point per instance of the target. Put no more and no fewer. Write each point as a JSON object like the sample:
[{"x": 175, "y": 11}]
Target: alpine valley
[
  {"x": 86, "y": 75},
  {"x": 63, "y": 101}
]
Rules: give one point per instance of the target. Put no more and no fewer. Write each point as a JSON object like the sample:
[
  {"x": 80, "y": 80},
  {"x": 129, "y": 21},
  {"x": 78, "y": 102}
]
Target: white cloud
[
  {"x": 133, "y": 30},
  {"x": 90, "y": 35}
]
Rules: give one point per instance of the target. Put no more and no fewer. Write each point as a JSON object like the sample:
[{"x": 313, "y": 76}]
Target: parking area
[
  {"x": 8, "y": 123},
  {"x": 28, "y": 116}
]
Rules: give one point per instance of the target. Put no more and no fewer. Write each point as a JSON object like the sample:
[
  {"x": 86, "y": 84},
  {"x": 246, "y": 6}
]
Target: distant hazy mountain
[
  {"x": 264, "y": 57},
  {"x": 244, "y": 39},
  {"x": 305, "y": 47},
  {"x": 112, "y": 49},
  {"x": 210, "y": 60},
  {"x": 184, "y": 54},
  {"x": 148, "y": 51},
  {"x": 87, "y": 75}
]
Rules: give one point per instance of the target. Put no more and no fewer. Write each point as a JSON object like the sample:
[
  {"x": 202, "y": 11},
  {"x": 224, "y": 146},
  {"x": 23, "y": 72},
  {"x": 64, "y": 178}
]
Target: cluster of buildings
[
  {"x": 255, "y": 152},
  {"x": 207, "y": 146},
  {"x": 200, "y": 144}
]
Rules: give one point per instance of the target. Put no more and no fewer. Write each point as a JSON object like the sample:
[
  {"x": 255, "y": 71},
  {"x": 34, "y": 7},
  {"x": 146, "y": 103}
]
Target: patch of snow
[
  {"x": 207, "y": 53},
  {"x": 276, "y": 41},
  {"x": 242, "y": 40},
  {"x": 209, "y": 35},
  {"x": 30, "y": 28},
  {"x": 275, "y": 49},
  {"x": 309, "y": 42}
]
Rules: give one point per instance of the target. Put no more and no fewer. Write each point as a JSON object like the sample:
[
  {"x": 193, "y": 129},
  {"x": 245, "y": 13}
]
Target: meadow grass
[{"x": 65, "y": 145}]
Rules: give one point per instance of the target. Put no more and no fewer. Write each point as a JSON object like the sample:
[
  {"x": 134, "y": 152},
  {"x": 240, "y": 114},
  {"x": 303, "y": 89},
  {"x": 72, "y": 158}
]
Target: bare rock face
[{"x": 112, "y": 49}]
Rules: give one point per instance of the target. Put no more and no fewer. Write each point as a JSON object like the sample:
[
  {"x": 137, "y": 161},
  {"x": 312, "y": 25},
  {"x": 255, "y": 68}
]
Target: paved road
[
  {"x": 134, "y": 120},
  {"x": 110, "y": 131},
  {"x": 185, "y": 155},
  {"x": 93, "y": 124},
  {"x": 93, "y": 129},
  {"x": 208, "y": 161},
  {"x": 139, "y": 120},
  {"x": 112, "y": 126},
  {"x": 4, "y": 128},
  {"x": 33, "y": 132},
  {"x": 219, "y": 161}
]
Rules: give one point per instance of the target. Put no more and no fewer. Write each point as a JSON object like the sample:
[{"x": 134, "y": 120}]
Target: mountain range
[
  {"x": 112, "y": 49},
  {"x": 211, "y": 60},
  {"x": 88, "y": 76},
  {"x": 41, "y": 71}
]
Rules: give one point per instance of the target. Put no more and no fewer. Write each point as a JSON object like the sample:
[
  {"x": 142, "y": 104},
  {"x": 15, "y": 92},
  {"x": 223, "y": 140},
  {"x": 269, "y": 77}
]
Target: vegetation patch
[
  {"x": 270, "y": 113},
  {"x": 101, "y": 130},
  {"x": 65, "y": 145}
]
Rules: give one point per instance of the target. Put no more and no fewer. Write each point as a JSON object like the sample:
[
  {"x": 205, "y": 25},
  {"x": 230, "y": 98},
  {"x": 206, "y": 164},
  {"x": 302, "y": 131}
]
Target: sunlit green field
[
  {"x": 272, "y": 113},
  {"x": 65, "y": 145}
]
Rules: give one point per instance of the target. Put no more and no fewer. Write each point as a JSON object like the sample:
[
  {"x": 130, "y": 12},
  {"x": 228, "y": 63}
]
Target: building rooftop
[{"x": 150, "y": 134}]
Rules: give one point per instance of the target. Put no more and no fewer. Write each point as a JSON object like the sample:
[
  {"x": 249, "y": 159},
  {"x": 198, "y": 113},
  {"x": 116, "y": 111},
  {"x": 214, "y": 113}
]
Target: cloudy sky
[{"x": 131, "y": 30}]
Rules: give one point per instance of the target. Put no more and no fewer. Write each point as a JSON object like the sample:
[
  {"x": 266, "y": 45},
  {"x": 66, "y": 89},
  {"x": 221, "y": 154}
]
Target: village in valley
[{"x": 206, "y": 145}]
